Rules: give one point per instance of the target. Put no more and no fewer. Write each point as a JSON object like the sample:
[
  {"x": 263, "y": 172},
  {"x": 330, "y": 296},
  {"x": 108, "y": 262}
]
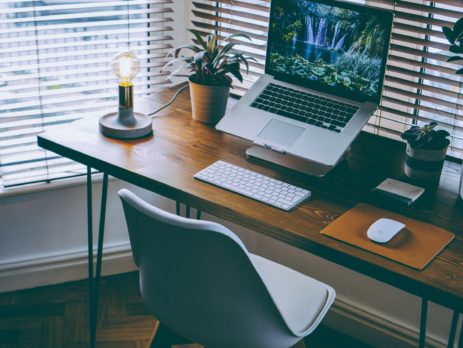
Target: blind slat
[
  {"x": 99, "y": 6},
  {"x": 83, "y": 44},
  {"x": 420, "y": 85},
  {"x": 78, "y": 97},
  {"x": 33, "y": 18},
  {"x": 56, "y": 68}
]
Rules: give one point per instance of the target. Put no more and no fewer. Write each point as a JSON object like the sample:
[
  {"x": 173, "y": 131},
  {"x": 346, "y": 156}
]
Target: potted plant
[
  {"x": 426, "y": 151},
  {"x": 211, "y": 65}
]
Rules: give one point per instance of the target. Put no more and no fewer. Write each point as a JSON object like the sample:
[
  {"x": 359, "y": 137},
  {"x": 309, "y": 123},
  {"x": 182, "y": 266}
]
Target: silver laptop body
[{"x": 286, "y": 140}]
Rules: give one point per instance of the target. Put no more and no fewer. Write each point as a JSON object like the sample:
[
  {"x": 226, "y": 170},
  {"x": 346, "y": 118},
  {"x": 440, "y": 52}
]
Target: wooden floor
[{"x": 56, "y": 316}]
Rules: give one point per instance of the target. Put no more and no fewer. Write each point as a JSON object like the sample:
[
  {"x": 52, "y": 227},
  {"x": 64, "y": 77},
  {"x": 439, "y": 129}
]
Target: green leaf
[
  {"x": 211, "y": 39},
  {"x": 237, "y": 74},
  {"x": 454, "y": 58},
  {"x": 442, "y": 133},
  {"x": 225, "y": 49},
  {"x": 198, "y": 59},
  {"x": 221, "y": 53},
  {"x": 175, "y": 52},
  {"x": 449, "y": 34},
  {"x": 459, "y": 72},
  {"x": 198, "y": 37},
  {"x": 188, "y": 60},
  {"x": 247, "y": 37},
  {"x": 456, "y": 49},
  {"x": 243, "y": 59},
  {"x": 458, "y": 27},
  {"x": 176, "y": 71}
]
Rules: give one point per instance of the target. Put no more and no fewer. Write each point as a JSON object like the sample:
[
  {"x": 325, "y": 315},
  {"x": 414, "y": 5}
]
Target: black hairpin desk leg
[
  {"x": 94, "y": 284},
  {"x": 90, "y": 256},
  {"x": 460, "y": 341},
  {"x": 187, "y": 210},
  {"x": 453, "y": 329},
  {"x": 424, "y": 316}
]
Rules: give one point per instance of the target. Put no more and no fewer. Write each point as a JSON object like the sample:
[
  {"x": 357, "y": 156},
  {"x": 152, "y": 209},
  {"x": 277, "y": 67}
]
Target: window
[
  {"x": 420, "y": 85},
  {"x": 55, "y": 68}
]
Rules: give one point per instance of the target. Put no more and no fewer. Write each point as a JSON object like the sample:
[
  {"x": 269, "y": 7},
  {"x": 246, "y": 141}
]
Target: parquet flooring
[{"x": 56, "y": 316}]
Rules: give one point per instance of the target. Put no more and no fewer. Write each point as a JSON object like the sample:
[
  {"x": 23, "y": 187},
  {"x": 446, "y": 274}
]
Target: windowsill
[{"x": 53, "y": 185}]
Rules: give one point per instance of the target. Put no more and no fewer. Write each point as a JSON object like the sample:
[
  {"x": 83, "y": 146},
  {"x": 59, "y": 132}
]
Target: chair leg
[{"x": 164, "y": 338}]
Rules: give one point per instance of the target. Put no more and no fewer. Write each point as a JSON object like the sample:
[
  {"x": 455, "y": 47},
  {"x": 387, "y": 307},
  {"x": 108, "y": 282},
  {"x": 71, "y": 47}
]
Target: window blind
[
  {"x": 420, "y": 85},
  {"x": 55, "y": 68}
]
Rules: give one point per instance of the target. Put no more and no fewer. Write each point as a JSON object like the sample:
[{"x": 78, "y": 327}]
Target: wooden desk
[{"x": 166, "y": 162}]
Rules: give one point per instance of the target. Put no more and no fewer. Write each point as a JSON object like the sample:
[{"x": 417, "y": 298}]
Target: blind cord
[
  {"x": 39, "y": 81},
  {"x": 128, "y": 25},
  {"x": 181, "y": 89}
]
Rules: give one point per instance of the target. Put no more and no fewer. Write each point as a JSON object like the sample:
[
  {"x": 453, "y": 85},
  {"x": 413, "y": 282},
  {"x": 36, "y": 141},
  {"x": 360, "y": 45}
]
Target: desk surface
[{"x": 181, "y": 146}]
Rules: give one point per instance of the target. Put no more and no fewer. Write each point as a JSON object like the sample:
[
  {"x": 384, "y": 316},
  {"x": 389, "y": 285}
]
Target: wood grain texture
[
  {"x": 165, "y": 163},
  {"x": 55, "y": 316}
]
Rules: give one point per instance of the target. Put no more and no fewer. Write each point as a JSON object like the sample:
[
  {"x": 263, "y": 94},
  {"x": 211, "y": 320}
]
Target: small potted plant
[
  {"x": 426, "y": 151},
  {"x": 212, "y": 65}
]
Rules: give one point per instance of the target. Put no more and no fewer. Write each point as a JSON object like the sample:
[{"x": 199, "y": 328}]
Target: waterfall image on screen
[{"x": 333, "y": 46}]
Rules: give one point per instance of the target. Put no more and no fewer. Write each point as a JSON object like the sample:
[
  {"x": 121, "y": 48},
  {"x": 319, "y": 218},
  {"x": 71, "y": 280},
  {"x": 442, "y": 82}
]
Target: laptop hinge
[
  {"x": 287, "y": 160},
  {"x": 270, "y": 147}
]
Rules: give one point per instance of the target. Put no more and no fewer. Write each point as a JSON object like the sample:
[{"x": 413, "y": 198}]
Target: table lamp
[{"x": 125, "y": 124}]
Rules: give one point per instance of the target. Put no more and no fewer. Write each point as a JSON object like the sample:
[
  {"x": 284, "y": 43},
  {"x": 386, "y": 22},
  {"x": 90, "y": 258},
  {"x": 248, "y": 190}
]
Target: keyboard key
[
  {"x": 305, "y": 107},
  {"x": 257, "y": 186}
]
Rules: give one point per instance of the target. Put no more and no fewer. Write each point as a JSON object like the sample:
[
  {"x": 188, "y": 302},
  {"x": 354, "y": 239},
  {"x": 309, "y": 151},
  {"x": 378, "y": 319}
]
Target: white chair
[{"x": 203, "y": 285}]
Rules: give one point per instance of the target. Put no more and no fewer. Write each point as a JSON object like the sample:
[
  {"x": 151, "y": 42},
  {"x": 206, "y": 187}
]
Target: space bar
[
  {"x": 290, "y": 115},
  {"x": 275, "y": 203}
]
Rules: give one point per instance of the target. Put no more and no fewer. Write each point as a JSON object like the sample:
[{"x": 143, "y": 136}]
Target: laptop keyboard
[{"x": 305, "y": 107}]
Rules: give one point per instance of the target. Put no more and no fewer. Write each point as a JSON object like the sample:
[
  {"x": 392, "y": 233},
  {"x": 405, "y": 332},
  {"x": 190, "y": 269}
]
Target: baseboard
[
  {"x": 56, "y": 269},
  {"x": 374, "y": 329},
  {"x": 345, "y": 317}
]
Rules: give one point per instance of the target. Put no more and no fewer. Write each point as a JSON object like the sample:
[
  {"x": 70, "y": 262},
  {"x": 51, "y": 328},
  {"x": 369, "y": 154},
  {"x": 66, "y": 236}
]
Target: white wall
[{"x": 46, "y": 230}]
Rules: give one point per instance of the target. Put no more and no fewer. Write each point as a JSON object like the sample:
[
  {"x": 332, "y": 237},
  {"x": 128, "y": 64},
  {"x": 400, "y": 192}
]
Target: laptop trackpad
[{"x": 282, "y": 133}]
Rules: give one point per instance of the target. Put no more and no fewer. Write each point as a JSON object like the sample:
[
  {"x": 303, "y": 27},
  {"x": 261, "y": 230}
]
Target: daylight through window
[
  {"x": 419, "y": 86},
  {"x": 55, "y": 68}
]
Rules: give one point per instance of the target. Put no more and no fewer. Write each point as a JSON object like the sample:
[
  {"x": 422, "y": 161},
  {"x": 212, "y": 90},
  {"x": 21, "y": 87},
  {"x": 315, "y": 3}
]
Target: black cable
[{"x": 170, "y": 101}]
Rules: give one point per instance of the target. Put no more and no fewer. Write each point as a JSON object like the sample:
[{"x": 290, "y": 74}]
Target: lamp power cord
[{"x": 181, "y": 89}]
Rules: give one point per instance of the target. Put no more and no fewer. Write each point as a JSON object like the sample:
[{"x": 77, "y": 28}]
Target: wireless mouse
[{"x": 383, "y": 230}]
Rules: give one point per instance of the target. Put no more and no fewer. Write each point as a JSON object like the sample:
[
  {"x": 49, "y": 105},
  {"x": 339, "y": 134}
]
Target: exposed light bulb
[
  {"x": 125, "y": 123},
  {"x": 126, "y": 66}
]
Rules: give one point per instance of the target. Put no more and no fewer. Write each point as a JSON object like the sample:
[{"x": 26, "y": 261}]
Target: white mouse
[{"x": 383, "y": 230}]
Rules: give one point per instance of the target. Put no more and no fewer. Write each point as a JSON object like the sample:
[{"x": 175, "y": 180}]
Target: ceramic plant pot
[
  {"x": 208, "y": 102},
  {"x": 423, "y": 165}
]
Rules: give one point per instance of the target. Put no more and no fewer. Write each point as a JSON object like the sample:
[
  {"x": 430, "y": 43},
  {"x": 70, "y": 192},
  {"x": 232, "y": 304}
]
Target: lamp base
[{"x": 113, "y": 128}]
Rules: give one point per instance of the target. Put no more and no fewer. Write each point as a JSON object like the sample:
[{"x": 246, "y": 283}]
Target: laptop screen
[{"x": 331, "y": 46}]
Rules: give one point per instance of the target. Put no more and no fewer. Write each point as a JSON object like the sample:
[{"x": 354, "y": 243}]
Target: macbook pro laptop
[{"x": 323, "y": 79}]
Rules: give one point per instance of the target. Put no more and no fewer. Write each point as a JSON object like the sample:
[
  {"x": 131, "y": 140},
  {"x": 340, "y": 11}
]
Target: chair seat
[{"x": 299, "y": 298}]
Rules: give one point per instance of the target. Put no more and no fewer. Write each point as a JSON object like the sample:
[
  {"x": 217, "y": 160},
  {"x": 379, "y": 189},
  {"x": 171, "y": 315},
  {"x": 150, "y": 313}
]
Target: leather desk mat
[{"x": 415, "y": 246}]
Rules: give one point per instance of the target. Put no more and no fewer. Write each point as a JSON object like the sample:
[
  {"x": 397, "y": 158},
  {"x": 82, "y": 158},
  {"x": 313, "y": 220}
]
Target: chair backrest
[{"x": 198, "y": 280}]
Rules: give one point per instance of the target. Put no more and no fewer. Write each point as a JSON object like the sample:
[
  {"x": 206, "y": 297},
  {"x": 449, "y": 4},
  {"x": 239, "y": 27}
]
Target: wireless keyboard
[{"x": 253, "y": 185}]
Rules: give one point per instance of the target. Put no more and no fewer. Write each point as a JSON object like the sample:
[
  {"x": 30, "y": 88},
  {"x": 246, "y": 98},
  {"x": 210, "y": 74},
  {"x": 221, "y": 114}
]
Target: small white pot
[
  {"x": 423, "y": 165},
  {"x": 208, "y": 103}
]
